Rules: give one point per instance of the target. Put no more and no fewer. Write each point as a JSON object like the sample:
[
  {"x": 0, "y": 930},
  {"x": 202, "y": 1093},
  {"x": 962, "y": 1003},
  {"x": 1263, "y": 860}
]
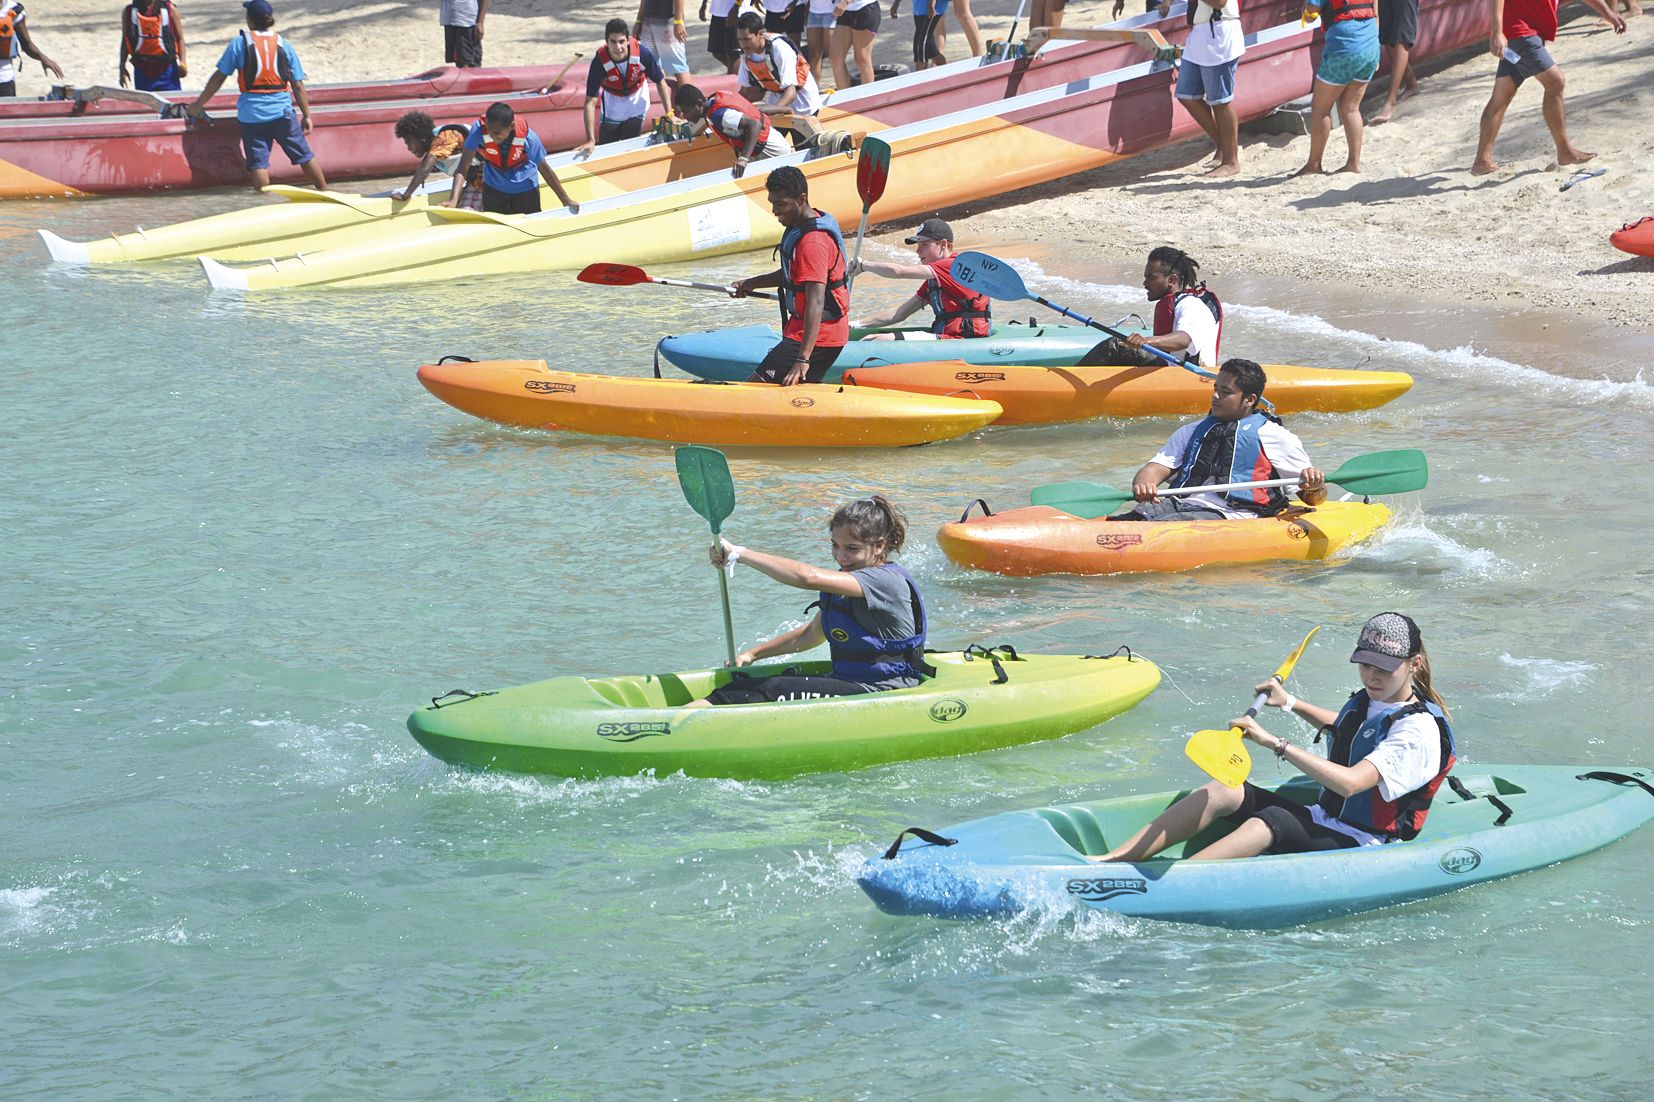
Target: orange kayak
[
  {"x": 1042, "y": 395},
  {"x": 1636, "y": 238},
  {"x": 1042, "y": 540},
  {"x": 531, "y": 395}
]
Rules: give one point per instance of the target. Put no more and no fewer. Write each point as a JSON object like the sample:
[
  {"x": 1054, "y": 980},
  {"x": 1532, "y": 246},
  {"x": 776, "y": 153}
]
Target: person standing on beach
[
  {"x": 1188, "y": 318},
  {"x": 930, "y": 35},
  {"x": 785, "y": 17},
  {"x": 153, "y": 37},
  {"x": 1398, "y": 27},
  {"x": 720, "y": 33},
  {"x": 1520, "y": 30},
  {"x": 462, "y": 22},
  {"x": 618, "y": 81},
  {"x": 857, "y": 26},
  {"x": 772, "y": 68},
  {"x": 14, "y": 43},
  {"x": 272, "y": 82},
  {"x": 659, "y": 26},
  {"x": 1206, "y": 78},
  {"x": 1349, "y": 58}
]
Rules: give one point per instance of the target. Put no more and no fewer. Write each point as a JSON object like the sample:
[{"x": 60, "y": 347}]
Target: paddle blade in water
[
  {"x": 1222, "y": 754},
  {"x": 613, "y": 275},
  {"x": 872, "y": 170},
  {"x": 987, "y": 275},
  {"x": 704, "y": 475},
  {"x": 1396, "y": 472},
  {"x": 1087, "y": 500}
]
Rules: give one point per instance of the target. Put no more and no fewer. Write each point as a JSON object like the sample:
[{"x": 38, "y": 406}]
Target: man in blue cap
[{"x": 271, "y": 79}]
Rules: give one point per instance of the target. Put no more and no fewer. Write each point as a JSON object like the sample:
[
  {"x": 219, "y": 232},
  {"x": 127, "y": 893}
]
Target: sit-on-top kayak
[
  {"x": 531, "y": 395},
  {"x": 1038, "y": 539},
  {"x": 1044, "y": 395},
  {"x": 618, "y": 726},
  {"x": 1506, "y": 819},
  {"x": 1636, "y": 238},
  {"x": 733, "y": 353}
]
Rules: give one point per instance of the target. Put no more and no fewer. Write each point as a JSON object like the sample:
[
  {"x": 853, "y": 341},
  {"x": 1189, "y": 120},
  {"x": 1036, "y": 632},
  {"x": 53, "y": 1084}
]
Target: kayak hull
[
  {"x": 1013, "y": 862},
  {"x": 1636, "y": 238},
  {"x": 1048, "y": 395},
  {"x": 592, "y": 727},
  {"x": 1042, "y": 540},
  {"x": 529, "y": 394}
]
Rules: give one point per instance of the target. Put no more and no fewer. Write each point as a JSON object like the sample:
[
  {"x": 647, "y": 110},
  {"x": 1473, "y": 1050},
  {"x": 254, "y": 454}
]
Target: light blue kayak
[
  {"x": 1499, "y": 821},
  {"x": 732, "y": 354}
]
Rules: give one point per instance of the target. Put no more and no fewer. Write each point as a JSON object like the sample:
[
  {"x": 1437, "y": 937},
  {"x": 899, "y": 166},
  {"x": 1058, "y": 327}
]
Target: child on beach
[
  {"x": 871, "y": 616},
  {"x": 513, "y": 162},
  {"x": 1349, "y": 58},
  {"x": 438, "y": 148},
  {"x": 1390, "y": 748},
  {"x": 15, "y": 43}
]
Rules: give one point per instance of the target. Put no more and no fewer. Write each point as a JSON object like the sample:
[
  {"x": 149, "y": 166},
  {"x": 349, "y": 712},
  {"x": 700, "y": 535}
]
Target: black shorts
[
  {"x": 746, "y": 689},
  {"x": 867, "y": 19},
  {"x": 9, "y": 88},
  {"x": 782, "y": 357},
  {"x": 789, "y": 22},
  {"x": 462, "y": 47},
  {"x": 1115, "y": 352},
  {"x": 495, "y": 201},
  {"x": 720, "y": 38},
  {"x": 619, "y": 131},
  {"x": 1398, "y": 22},
  {"x": 1290, "y": 827}
]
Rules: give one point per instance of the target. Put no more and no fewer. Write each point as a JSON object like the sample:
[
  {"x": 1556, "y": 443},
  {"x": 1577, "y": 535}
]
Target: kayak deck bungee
[
  {"x": 1049, "y": 395},
  {"x": 1038, "y": 539},
  {"x": 529, "y": 394},
  {"x": 1496, "y": 821},
  {"x": 619, "y": 726}
]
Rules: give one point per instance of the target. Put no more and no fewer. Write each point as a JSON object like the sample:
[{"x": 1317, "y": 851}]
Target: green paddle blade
[
  {"x": 1222, "y": 754},
  {"x": 704, "y": 475},
  {"x": 987, "y": 275},
  {"x": 1396, "y": 472},
  {"x": 872, "y": 169},
  {"x": 1087, "y": 500}
]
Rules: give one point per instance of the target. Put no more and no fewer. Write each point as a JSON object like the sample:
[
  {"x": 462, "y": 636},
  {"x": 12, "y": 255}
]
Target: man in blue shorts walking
[
  {"x": 271, "y": 81},
  {"x": 1206, "y": 78}
]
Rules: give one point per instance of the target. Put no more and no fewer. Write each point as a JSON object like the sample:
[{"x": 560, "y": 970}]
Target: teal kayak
[
  {"x": 618, "y": 726},
  {"x": 732, "y": 354},
  {"x": 1496, "y": 821}
]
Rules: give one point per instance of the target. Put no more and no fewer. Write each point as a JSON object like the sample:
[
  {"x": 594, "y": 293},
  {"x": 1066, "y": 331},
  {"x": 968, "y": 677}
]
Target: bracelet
[
  {"x": 801, "y": 359},
  {"x": 1288, "y": 704},
  {"x": 1281, "y": 746}
]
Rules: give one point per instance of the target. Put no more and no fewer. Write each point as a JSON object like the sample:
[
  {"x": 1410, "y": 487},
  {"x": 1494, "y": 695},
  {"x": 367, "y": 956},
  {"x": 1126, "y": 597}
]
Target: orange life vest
[
  {"x": 1340, "y": 11},
  {"x": 8, "y": 31},
  {"x": 766, "y": 72},
  {"x": 740, "y": 104},
  {"x": 150, "y": 36},
  {"x": 623, "y": 78},
  {"x": 513, "y": 153},
  {"x": 264, "y": 68}
]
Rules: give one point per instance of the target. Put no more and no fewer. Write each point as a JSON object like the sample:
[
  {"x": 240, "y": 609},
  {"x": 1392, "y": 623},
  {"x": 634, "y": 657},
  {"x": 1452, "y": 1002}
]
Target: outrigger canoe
[
  {"x": 618, "y": 726},
  {"x": 1494, "y": 821},
  {"x": 1038, "y": 539},
  {"x": 529, "y": 394}
]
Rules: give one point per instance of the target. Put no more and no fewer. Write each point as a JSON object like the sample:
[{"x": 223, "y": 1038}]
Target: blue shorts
[
  {"x": 932, "y": 7},
  {"x": 1525, "y": 56},
  {"x": 164, "y": 81},
  {"x": 285, "y": 131},
  {"x": 1351, "y": 68},
  {"x": 1212, "y": 83},
  {"x": 821, "y": 21}
]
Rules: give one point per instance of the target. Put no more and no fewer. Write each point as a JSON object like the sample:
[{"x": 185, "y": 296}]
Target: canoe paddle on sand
[
  {"x": 1223, "y": 754},
  {"x": 630, "y": 275},
  {"x": 703, "y": 474},
  {"x": 1370, "y": 475}
]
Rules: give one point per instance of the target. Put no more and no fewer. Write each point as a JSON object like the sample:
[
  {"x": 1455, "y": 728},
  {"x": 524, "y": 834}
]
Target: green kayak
[{"x": 617, "y": 726}]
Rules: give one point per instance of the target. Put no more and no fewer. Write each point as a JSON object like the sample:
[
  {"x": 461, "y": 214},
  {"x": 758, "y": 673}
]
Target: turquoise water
[{"x": 242, "y": 544}]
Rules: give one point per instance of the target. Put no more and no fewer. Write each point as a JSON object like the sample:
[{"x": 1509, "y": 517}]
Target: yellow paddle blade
[
  {"x": 1292, "y": 659},
  {"x": 1222, "y": 754}
]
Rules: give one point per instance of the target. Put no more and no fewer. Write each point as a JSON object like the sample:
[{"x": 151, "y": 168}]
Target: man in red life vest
[
  {"x": 514, "y": 161},
  {"x": 814, "y": 283},
  {"x": 14, "y": 43},
  {"x": 734, "y": 120},
  {"x": 1188, "y": 319},
  {"x": 958, "y": 312},
  {"x": 618, "y": 82},
  {"x": 153, "y": 38}
]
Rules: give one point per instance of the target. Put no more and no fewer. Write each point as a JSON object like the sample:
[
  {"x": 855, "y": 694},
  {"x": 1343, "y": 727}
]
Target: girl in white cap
[{"x": 1389, "y": 748}]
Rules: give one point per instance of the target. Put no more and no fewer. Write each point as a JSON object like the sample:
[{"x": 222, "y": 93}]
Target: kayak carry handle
[
  {"x": 966, "y": 515},
  {"x": 463, "y": 694},
  {"x": 455, "y": 359},
  {"x": 1616, "y": 778},
  {"x": 923, "y": 835}
]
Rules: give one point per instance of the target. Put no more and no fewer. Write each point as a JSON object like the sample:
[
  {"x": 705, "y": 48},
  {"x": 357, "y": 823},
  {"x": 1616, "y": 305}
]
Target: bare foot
[
  {"x": 1482, "y": 168},
  {"x": 1349, "y": 167},
  {"x": 1309, "y": 170},
  {"x": 1223, "y": 170},
  {"x": 1385, "y": 114},
  {"x": 1573, "y": 157}
]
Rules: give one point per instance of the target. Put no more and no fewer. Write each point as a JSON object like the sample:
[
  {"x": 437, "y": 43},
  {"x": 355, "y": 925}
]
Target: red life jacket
[
  {"x": 1338, "y": 11},
  {"x": 623, "y": 78},
  {"x": 767, "y": 71},
  {"x": 8, "y": 31},
  {"x": 150, "y": 37},
  {"x": 515, "y": 151},
  {"x": 958, "y": 313},
  {"x": 264, "y": 68},
  {"x": 1166, "y": 310},
  {"x": 734, "y": 101}
]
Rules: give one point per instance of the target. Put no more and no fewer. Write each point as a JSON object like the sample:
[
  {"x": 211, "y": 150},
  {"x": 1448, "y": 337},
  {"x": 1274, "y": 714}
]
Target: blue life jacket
[
  {"x": 1353, "y": 738},
  {"x": 791, "y": 294},
  {"x": 859, "y": 654},
  {"x": 1221, "y": 452}
]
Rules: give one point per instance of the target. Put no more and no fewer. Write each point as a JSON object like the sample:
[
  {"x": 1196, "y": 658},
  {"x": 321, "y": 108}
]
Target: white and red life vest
[
  {"x": 622, "y": 78},
  {"x": 513, "y": 153}
]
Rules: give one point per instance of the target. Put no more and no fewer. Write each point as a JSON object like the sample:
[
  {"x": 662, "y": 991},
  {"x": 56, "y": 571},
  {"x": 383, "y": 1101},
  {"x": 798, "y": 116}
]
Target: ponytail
[
  {"x": 1421, "y": 682},
  {"x": 871, "y": 519}
]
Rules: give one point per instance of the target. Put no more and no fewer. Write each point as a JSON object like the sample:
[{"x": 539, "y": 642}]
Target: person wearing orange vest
[
  {"x": 271, "y": 79},
  {"x": 958, "y": 312},
  {"x": 153, "y": 37},
  {"x": 618, "y": 82},
  {"x": 772, "y": 69},
  {"x": 734, "y": 120},
  {"x": 514, "y": 160},
  {"x": 14, "y": 43}
]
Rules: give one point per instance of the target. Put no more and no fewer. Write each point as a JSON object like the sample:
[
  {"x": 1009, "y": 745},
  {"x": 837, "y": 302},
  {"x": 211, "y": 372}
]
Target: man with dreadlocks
[{"x": 1188, "y": 319}]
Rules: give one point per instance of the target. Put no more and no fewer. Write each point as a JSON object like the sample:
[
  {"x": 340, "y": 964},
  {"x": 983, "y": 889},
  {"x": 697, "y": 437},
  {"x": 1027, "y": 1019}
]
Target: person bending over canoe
[
  {"x": 1188, "y": 319},
  {"x": 513, "y": 161},
  {"x": 153, "y": 37},
  {"x": 618, "y": 82},
  {"x": 439, "y": 149},
  {"x": 734, "y": 120},
  {"x": 1235, "y": 442},
  {"x": 815, "y": 290},
  {"x": 958, "y": 313},
  {"x": 272, "y": 82},
  {"x": 772, "y": 69},
  {"x": 1389, "y": 748},
  {"x": 872, "y": 618},
  {"x": 15, "y": 42}
]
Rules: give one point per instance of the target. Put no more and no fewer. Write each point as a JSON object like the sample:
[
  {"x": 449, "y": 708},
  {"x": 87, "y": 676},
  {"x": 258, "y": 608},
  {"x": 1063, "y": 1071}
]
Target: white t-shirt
[
  {"x": 1282, "y": 448},
  {"x": 822, "y": 7},
  {"x": 1194, "y": 317},
  {"x": 1214, "y": 41},
  {"x": 721, "y": 8},
  {"x": 458, "y": 13},
  {"x": 808, "y": 100},
  {"x": 8, "y": 68},
  {"x": 1407, "y": 758}
]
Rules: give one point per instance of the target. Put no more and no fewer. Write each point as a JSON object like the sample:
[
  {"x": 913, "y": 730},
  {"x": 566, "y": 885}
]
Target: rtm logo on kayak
[
  {"x": 946, "y": 711},
  {"x": 1457, "y": 862},
  {"x": 1001, "y": 350},
  {"x": 546, "y": 387},
  {"x": 803, "y": 403},
  {"x": 631, "y": 732},
  {"x": 1104, "y": 888},
  {"x": 980, "y": 376},
  {"x": 1115, "y": 541}
]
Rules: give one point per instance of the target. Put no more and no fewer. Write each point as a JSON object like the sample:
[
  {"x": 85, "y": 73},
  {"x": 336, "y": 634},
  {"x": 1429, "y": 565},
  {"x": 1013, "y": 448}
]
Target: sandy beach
[{"x": 1415, "y": 220}]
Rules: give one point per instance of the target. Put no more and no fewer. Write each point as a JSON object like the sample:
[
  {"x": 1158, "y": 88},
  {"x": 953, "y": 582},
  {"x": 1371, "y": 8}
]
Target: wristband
[
  {"x": 731, "y": 557},
  {"x": 1281, "y": 745},
  {"x": 1288, "y": 704},
  {"x": 801, "y": 359}
]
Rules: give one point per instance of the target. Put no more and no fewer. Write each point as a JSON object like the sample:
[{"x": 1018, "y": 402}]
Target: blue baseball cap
[{"x": 260, "y": 7}]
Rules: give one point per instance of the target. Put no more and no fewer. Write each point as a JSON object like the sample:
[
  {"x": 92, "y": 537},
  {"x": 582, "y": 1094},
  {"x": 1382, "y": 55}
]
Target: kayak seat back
[
  {"x": 644, "y": 690},
  {"x": 1078, "y": 827}
]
